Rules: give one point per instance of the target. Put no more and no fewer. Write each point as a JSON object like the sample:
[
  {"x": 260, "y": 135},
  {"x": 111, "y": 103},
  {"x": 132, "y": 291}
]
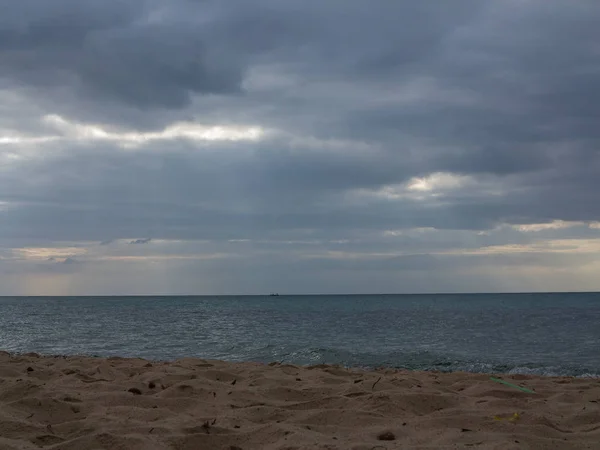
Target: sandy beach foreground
[{"x": 75, "y": 403}]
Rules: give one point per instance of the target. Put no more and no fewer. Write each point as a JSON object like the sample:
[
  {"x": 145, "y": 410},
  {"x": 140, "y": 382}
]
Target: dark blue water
[{"x": 551, "y": 334}]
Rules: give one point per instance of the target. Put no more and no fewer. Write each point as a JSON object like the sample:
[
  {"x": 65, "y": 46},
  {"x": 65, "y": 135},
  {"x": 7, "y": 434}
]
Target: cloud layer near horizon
[{"x": 299, "y": 146}]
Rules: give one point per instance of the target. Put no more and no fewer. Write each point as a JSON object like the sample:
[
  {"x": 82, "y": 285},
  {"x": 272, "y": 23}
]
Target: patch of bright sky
[
  {"x": 178, "y": 130},
  {"x": 45, "y": 253},
  {"x": 70, "y": 130},
  {"x": 547, "y": 246},
  {"x": 76, "y": 131},
  {"x": 8, "y": 139},
  {"x": 421, "y": 188},
  {"x": 439, "y": 181},
  {"x": 554, "y": 225}
]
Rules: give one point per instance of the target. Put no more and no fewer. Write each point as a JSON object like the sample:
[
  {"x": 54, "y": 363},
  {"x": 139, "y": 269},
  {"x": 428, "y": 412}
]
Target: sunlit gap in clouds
[
  {"x": 45, "y": 253},
  {"x": 79, "y": 131},
  {"x": 178, "y": 130},
  {"x": 547, "y": 246},
  {"x": 14, "y": 139},
  {"x": 68, "y": 130},
  {"x": 419, "y": 188},
  {"x": 437, "y": 181},
  {"x": 554, "y": 225}
]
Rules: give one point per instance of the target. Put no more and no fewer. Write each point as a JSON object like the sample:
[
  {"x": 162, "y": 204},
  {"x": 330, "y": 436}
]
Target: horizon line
[{"x": 309, "y": 295}]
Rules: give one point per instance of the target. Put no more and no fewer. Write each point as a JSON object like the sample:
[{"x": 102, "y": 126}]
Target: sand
[{"x": 80, "y": 403}]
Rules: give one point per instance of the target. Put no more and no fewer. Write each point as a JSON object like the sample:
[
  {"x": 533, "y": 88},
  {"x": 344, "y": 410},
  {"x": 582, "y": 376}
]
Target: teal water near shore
[{"x": 546, "y": 334}]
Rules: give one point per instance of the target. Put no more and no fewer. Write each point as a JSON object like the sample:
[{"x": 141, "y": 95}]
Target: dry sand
[{"x": 81, "y": 403}]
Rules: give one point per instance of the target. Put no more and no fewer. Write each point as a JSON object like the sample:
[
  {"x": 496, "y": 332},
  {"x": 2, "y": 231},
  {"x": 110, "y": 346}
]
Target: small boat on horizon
[{"x": 273, "y": 294}]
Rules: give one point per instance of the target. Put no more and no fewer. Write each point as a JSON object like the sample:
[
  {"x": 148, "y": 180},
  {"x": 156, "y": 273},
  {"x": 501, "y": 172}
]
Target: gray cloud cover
[{"x": 401, "y": 146}]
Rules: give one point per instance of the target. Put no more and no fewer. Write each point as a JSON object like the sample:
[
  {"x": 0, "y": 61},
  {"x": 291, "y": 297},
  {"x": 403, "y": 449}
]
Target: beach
[{"x": 76, "y": 402}]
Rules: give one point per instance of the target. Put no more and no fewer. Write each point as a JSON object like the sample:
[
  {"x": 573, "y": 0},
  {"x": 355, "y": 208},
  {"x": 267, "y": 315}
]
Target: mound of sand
[{"x": 81, "y": 403}]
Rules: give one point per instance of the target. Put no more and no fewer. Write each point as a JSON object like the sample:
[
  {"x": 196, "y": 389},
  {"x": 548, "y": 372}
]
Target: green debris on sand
[
  {"x": 498, "y": 380},
  {"x": 513, "y": 418}
]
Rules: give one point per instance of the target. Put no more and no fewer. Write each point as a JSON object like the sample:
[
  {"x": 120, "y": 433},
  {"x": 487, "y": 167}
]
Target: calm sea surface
[{"x": 552, "y": 334}]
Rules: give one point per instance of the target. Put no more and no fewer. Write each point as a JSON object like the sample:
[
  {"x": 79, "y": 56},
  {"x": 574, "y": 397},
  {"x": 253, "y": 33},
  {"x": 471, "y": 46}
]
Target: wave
[
  {"x": 422, "y": 360},
  {"x": 305, "y": 356}
]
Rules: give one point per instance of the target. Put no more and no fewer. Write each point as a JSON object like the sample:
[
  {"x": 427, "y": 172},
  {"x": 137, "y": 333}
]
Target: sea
[{"x": 540, "y": 333}]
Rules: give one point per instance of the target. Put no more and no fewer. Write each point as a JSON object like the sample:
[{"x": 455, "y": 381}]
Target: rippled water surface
[{"x": 526, "y": 333}]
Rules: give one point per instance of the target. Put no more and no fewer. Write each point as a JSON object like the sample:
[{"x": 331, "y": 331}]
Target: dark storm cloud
[
  {"x": 152, "y": 55},
  {"x": 226, "y": 195},
  {"x": 112, "y": 50},
  {"x": 363, "y": 97},
  {"x": 530, "y": 72}
]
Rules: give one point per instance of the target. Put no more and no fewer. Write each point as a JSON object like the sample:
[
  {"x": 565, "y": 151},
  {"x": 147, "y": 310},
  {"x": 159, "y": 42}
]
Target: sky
[{"x": 299, "y": 146}]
